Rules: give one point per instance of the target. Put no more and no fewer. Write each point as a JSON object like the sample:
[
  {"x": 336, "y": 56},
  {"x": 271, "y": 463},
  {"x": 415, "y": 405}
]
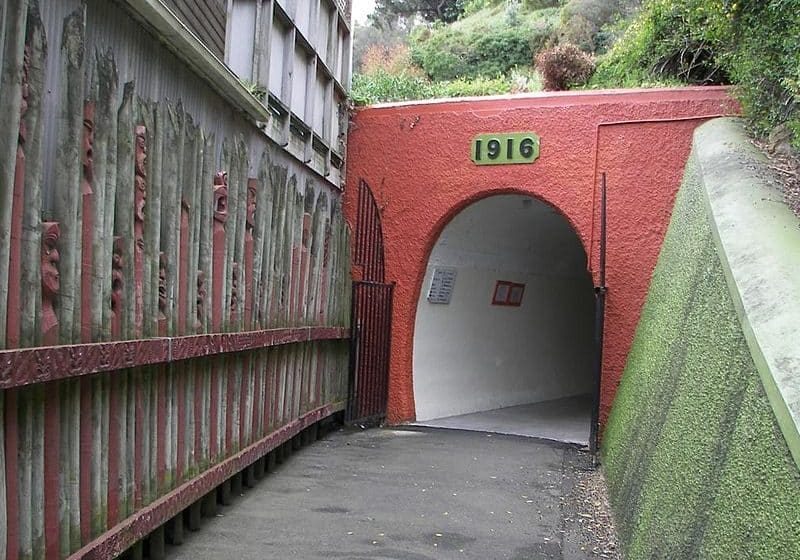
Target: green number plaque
[{"x": 504, "y": 149}]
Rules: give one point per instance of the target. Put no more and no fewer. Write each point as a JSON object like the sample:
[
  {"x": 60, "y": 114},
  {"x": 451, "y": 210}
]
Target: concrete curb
[{"x": 758, "y": 242}]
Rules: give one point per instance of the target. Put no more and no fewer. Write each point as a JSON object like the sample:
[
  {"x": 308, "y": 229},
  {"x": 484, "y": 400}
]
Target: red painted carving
[
  {"x": 221, "y": 197},
  {"x": 51, "y": 283},
  {"x": 87, "y": 237},
  {"x": 13, "y": 304},
  {"x": 117, "y": 288},
  {"x": 201, "y": 301},
  {"x": 218, "y": 248},
  {"x": 140, "y": 199},
  {"x": 252, "y": 186}
]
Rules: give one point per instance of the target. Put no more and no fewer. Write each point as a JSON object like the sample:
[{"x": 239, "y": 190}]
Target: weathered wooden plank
[
  {"x": 69, "y": 512},
  {"x": 170, "y": 217},
  {"x": 31, "y": 242},
  {"x": 152, "y": 231},
  {"x": 206, "y": 228},
  {"x": 88, "y": 211},
  {"x": 10, "y": 444},
  {"x": 103, "y": 161},
  {"x": 98, "y": 471},
  {"x": 52, "y": 468},
  {"x": 68, "y": 172},
  {"x": 86, "y": 455},
  {"x": 37, "y": 468},
  {"x": 13, "y": 34},
  {"x": 130, "y": 180}
]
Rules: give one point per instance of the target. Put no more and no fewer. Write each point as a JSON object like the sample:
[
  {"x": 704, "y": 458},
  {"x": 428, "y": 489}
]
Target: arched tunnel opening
[{"x": 503, "y": 340}]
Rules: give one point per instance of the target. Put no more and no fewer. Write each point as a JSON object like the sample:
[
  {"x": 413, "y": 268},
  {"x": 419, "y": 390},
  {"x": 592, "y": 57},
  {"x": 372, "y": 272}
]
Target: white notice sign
[{"x": 442, "y": 283}]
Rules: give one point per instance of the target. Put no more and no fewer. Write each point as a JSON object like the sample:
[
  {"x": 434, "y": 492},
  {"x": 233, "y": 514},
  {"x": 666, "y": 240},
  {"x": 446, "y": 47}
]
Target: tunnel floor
[{"x": 565, "y": 420}]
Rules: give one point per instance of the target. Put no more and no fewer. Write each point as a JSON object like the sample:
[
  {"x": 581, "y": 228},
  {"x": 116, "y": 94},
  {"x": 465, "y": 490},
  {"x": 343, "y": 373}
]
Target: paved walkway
[{"x": 410, "y": 494}]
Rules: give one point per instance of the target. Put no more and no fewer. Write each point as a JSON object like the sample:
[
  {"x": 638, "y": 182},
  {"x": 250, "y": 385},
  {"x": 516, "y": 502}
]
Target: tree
[{"x": 431, "y": 10}]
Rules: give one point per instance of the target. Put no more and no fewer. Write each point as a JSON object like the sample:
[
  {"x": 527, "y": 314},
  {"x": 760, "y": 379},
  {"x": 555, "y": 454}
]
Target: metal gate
[
  {"x": 369, "y": 358},
  {"x": 371, "y": 318}
]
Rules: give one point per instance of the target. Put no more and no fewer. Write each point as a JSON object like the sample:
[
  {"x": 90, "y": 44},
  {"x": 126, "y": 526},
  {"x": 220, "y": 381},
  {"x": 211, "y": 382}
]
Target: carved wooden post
[
  {"x": 184, "y": 276},
  {"x": 17, "y": 204},
  {"x": 140, "y": 200},
  {"x": 218, "y": 250},
  {"x": 117, "y": 288},
  {"x": 218, "y": 307},
  {"x": 51, "y": 285},
  {"x": 87, "y": 235},
  {"x": 250, "y": 223}
]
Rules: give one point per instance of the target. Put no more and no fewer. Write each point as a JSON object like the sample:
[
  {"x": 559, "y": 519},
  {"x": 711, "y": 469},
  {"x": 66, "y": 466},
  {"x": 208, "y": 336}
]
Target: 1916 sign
[{"x": 498, "y": 149}]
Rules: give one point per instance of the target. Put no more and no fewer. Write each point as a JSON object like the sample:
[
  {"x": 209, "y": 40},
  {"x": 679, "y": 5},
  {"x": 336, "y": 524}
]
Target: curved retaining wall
[{"x": 699, "y": 446}]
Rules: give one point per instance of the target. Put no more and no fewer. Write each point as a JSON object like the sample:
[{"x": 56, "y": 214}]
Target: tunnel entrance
[{"x": 503, "y": 340}]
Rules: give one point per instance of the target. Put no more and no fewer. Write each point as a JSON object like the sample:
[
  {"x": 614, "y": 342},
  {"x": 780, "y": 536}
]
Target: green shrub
[
  {"x": 489, "y": 43},
  {"x": 584, "y": 22},
  {"x": 764, "y": 63},
  {"x": 751, "y": 43},
  {"x": 670, "y": 40},
  {"x": 473, "y": 87},
  {"x": 564, "y": 66},
  {"x": 383, "y": 86}
]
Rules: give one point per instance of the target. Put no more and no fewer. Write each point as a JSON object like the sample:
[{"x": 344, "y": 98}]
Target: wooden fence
[{"x": 173, "y": 301}]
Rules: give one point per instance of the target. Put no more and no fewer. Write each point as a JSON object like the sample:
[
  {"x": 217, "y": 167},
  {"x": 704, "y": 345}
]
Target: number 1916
[{"x": 493, "y": 149}]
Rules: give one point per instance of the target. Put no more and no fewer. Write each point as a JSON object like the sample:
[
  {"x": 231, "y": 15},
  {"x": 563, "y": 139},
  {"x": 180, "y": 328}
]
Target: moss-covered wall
[{"x": 696, "y": 464}]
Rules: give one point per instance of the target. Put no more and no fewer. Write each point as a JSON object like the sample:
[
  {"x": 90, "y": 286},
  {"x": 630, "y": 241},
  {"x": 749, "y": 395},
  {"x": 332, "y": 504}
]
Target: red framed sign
[{"x": 508, "y": 293}]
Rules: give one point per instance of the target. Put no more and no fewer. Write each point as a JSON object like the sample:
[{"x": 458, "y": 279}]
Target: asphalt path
[{"x": 405, "y": 494}]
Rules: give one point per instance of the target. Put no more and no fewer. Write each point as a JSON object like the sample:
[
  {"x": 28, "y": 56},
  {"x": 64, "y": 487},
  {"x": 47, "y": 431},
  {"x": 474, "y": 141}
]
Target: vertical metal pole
[
  {"x": 354, "y": 341},
  {"x": 599, "y": 325}
]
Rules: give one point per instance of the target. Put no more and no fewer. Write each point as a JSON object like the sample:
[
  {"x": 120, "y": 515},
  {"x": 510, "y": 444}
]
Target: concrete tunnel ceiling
[{"x": 470, "y": 355}]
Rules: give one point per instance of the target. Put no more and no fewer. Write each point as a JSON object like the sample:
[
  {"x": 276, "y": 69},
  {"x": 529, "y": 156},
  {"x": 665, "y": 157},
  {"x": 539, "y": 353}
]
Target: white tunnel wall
[{"x": 470, "y": 355}]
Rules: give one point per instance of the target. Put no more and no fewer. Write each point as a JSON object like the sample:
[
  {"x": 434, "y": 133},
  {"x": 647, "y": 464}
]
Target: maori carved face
[
  {"x": 88, "y": 143},
  {"x": 116, "y": 275},
  {"x": 51, "y": 280},
  {"x": 221, "y": 196},
  {"x": 251, "y": 204},
  {"x": 162, "y": 283},
  {"x": 140, "y": 182}
]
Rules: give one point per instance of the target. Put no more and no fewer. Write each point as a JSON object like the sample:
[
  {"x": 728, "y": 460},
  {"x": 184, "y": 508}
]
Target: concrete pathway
[{"x": 410, "y": 494}]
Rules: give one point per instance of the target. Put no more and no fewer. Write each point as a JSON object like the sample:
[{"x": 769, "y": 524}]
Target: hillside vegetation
[{"x": 502, "y": 46}]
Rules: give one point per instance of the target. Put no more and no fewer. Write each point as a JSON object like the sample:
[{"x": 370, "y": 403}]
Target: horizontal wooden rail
[
  {"x": 116, "y": 540},
  {"x": 38, "y": 365}
]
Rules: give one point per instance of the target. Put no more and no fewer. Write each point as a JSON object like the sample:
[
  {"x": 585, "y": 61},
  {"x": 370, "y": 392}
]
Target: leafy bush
[
  {"x": 764, "y": 62},
  {"x": 584, "y": 22},
  {"x": 382, "y": 86},
  {"x": 752, "y": 44},
  {"x": 670, "y": 40},
  {"x": 489, "y": 43},
  {"x": 564, "y": 66}
]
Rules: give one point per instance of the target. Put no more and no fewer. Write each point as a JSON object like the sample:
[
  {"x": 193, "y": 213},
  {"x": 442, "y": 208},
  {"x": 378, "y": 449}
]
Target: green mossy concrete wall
[{"x": 696, "y": 464}]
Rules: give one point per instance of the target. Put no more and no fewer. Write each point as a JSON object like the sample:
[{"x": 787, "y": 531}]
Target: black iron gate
[
  {"x": 371, "y": 317},
  {"x": 369, "y": 356}
]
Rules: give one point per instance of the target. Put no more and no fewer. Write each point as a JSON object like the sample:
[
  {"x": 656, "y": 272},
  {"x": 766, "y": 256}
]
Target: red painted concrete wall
[{"x": 416, "y": 158}]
